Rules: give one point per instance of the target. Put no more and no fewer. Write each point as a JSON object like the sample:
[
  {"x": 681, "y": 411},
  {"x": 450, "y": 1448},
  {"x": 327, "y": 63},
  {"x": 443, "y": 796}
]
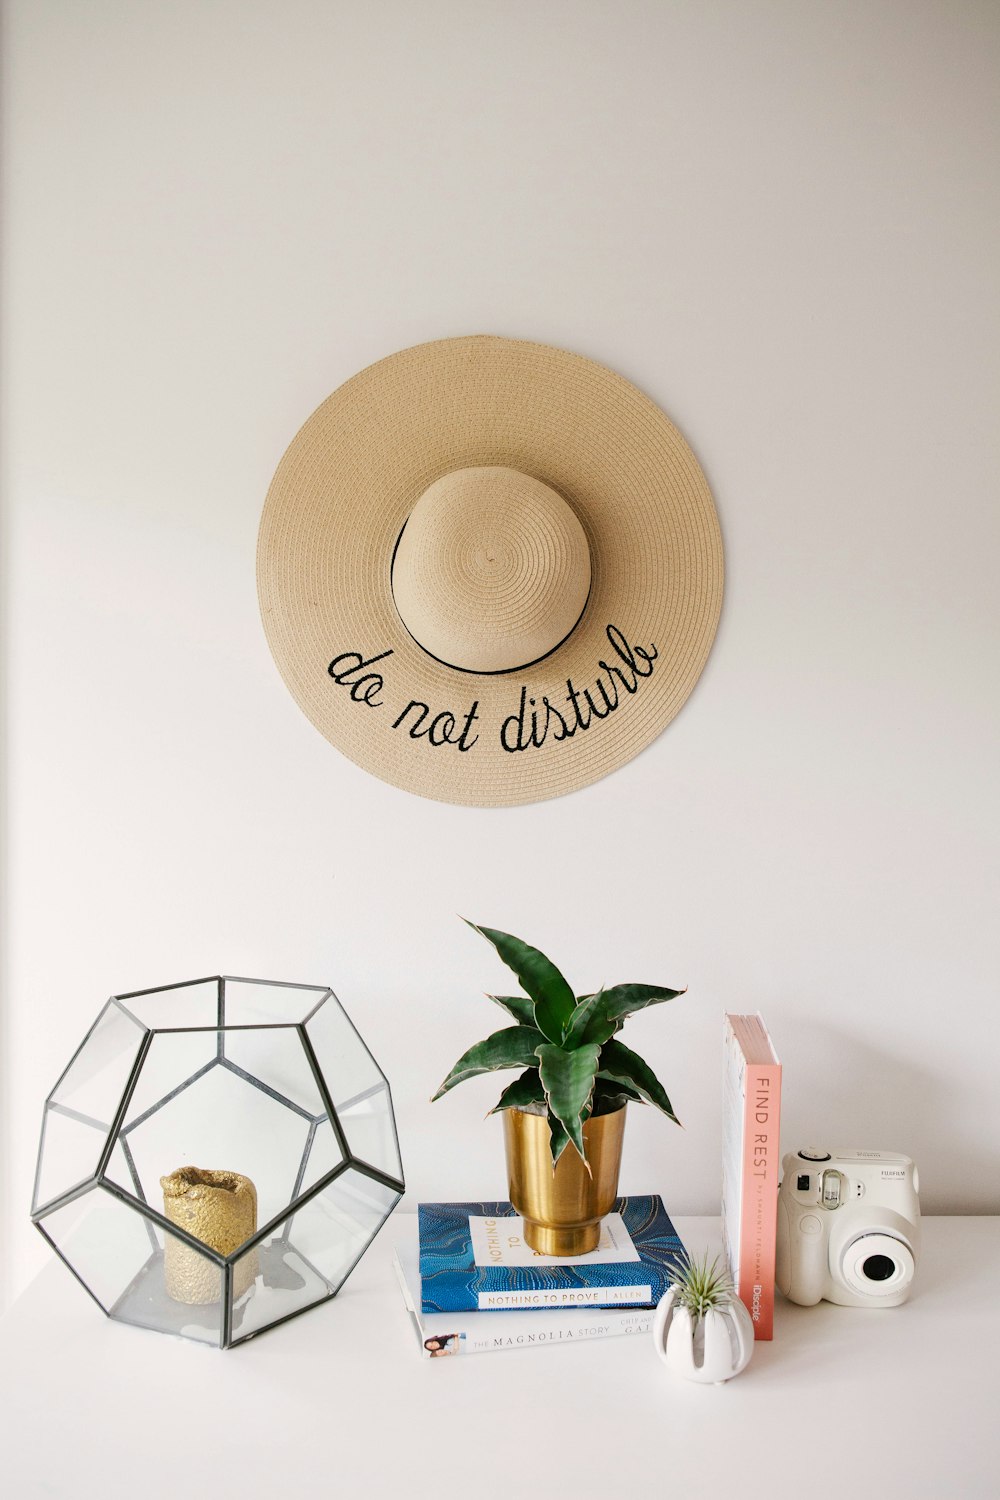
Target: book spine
[
  {"x": 451, "y": 1292},
  {"x": 543, "y": 1331},
  {"x": 555, "y": 1331},
  {"x": 567, "y": 1297},
  {"x": 759, "y": 1208}
]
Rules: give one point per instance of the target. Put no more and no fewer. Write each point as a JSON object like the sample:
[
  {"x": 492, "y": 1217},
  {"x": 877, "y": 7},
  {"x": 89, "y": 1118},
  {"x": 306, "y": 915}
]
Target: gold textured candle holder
[{"x": 220, "y": 1209}]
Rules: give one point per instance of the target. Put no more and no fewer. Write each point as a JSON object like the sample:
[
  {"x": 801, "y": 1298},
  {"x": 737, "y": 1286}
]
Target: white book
[{"x": 441, "y": 1334}]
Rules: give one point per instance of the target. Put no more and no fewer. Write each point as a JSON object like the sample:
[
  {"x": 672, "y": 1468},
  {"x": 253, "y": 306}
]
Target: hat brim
[{"x": 337, "y": 505}]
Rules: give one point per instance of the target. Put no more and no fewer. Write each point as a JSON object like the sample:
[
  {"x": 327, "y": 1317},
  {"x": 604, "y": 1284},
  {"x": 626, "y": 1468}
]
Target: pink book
[{"x": 751, "y": 1163}]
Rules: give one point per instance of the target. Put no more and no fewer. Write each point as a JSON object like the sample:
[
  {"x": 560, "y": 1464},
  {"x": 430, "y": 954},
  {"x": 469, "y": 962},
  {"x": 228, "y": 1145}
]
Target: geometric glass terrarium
[{"x": 217, "y": 1156}]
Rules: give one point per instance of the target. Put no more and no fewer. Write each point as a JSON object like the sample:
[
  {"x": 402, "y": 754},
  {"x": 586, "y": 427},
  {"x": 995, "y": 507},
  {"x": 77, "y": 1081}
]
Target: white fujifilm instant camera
[{"x": 848, "y": 1227}]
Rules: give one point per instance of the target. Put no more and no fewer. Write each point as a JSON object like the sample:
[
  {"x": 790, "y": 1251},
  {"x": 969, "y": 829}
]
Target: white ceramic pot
[{"x": 709, "y": 1349}]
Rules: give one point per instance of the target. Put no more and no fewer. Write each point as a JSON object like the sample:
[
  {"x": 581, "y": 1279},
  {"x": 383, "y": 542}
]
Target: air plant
[{"x": 701, "y": 1287}]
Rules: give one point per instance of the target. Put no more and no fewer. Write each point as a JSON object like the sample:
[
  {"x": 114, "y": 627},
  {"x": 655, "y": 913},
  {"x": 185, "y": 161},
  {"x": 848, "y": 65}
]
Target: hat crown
[{"x": 491, "y": 571}]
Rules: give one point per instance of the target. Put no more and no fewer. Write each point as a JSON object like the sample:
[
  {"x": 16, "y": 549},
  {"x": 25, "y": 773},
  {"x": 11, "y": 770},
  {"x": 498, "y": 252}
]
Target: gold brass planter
[{"x": 562, "y": 1209}]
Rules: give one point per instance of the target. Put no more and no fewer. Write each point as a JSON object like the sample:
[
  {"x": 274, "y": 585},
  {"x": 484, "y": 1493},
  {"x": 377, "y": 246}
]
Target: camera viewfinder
[{"x": 831, "y": 1189}]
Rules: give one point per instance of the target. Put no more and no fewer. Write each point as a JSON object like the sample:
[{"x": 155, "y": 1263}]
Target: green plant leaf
[
  {"x": 518, "y": 1006},
  {"x": 514, "y": 1047},
  {"x": 523, "y": 1091},
  {"x": 558, "y": 1139},
  {"x": 553, "y": 999},
  {"x": 568, "y": 1079},
  {"x": 628, "y": 998},
  {"x": 597, "y": 1017},
  {"x": 588, "y": 1023},
  {"x": 701, "y": 1287},
  {"x": 607, "y": 1097},
  {"x": 619, "y": 1064}
]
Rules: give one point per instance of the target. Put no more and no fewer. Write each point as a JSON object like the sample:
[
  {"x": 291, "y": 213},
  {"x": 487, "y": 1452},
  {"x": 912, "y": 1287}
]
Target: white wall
[{"x": 780, "y": 220}]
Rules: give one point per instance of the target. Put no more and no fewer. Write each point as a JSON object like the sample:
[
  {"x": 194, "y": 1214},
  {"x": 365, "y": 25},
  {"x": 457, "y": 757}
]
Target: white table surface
[{"x": 338, "y": 1402}]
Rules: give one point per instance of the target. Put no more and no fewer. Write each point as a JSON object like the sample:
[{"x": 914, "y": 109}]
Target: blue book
[{"x": 473, "y": 1258}]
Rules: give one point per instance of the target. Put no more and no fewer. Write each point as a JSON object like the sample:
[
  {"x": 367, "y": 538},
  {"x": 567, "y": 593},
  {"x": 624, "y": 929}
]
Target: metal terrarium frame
[{"x": 118, "y": 1132}]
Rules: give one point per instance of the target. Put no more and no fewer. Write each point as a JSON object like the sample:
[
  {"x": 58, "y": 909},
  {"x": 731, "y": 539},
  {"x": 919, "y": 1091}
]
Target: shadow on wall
[{"x": 840, "y": 1091}]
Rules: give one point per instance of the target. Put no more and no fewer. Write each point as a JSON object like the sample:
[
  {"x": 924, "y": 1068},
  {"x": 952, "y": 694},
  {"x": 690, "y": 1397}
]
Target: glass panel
[
  {"x": 215, "y": 1120},
  {"x": 67, "y": 1157},
  {"x": 277, "y": 1059},
  {"x": 313, "y": 1252},
  {"x": 322, "y": 1155},
  {"x": 195, "y": 1004},
  {"x": 371, "y": 1132},
  {"x": 128, "y": 1262},
  {"x": 348, "y": 1067},
  {"x": 95, "y": 1080},
  {"x": 121, "y": 1170},
  {"x": 83, "y": 1104},
  {"x": 259, "y": 1002},
  {"x": 174, "y": 1062}
]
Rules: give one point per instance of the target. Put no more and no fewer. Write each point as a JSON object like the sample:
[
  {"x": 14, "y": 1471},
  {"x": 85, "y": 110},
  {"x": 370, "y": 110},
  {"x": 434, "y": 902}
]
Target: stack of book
[{"x": 471, "y": 1283}]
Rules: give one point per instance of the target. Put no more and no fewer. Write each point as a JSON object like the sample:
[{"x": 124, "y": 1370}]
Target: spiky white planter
[{"x": 709, "y": 1349}]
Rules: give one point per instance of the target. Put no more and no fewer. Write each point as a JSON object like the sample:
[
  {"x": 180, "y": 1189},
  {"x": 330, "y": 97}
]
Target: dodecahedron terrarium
[{"x": 217, "y": 1156}]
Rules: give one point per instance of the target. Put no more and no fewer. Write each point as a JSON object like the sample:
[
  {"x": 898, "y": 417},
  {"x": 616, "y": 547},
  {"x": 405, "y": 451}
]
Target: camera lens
[{"x": 878, "y": 1266}]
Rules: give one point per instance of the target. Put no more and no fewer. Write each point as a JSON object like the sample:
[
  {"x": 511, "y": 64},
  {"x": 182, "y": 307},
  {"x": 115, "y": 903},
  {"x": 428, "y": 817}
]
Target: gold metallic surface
[
  {"x": 219, "y": 1208},
  {"x": 562, "y": 1209}
]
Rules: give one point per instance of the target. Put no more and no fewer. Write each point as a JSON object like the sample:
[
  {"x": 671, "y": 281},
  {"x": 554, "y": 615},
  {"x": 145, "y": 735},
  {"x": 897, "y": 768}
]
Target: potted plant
[
  {"x": 702, "y": 1330},
  {"x": 564, "y": 1116}
]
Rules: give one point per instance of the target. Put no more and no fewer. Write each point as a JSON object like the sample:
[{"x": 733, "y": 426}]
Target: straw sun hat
[{"x": 490, "y": 571}]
